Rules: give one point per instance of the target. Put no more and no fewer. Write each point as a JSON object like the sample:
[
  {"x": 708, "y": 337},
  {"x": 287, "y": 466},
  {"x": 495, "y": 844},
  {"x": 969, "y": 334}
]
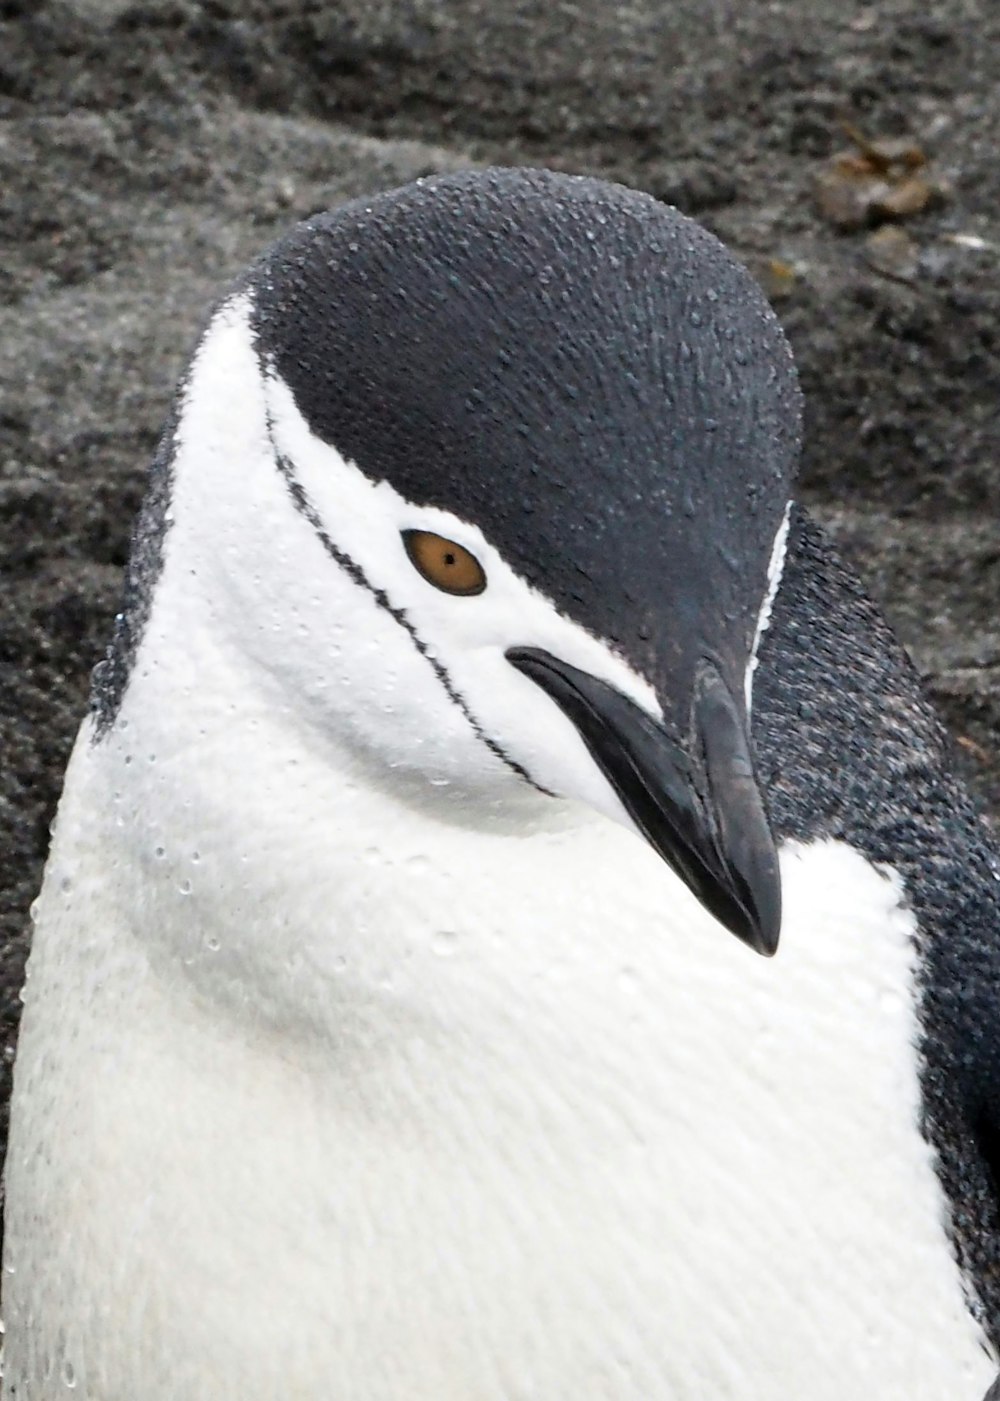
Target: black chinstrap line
[{"x": 305, "y": 508}]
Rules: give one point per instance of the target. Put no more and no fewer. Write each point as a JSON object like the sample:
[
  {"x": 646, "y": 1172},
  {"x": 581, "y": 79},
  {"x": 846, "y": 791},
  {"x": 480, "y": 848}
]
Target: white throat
[{"x": 367, "y": 1098}]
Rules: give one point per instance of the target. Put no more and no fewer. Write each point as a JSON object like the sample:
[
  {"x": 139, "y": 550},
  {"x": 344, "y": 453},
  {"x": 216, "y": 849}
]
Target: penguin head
[{"x": 533, "y": 436}]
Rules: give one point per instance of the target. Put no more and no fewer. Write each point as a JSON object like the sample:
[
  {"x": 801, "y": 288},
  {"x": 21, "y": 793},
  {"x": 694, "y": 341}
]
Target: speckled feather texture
[{"x": 848, "y": 748}]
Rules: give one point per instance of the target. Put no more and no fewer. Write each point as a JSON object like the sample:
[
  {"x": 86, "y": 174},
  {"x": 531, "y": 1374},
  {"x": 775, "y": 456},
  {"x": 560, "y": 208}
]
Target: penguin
[{"x": 481, "y": 708}]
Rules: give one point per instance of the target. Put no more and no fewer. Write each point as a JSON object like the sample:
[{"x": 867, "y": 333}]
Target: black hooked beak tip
[{"x": 705, "y": 818}]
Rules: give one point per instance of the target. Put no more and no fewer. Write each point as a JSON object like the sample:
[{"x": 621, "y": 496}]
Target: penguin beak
[{"x": 704, "y": 815}]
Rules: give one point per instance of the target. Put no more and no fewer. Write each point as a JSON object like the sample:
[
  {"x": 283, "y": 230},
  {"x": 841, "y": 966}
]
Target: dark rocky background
[{"x": 148, "y": 150}]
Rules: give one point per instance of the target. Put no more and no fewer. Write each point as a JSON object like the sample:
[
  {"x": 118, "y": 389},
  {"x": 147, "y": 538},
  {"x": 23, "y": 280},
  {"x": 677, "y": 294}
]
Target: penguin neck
[{"x": 271, "y": 877}]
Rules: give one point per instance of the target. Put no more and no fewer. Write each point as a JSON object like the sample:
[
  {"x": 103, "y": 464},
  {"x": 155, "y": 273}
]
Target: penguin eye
[{"x": 444, "y": 563}]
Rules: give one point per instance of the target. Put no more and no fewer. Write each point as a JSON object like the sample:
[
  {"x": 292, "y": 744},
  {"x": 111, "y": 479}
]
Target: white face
[{"x": 314, "y": 582}]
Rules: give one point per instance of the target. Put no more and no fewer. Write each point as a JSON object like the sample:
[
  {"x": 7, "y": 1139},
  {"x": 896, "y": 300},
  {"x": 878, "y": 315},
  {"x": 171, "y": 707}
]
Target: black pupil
[{"x": 449, "y": 558}]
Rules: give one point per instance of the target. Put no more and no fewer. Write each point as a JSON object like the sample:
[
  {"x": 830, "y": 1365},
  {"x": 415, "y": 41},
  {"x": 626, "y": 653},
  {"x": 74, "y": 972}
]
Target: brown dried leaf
[
  {"x": 778, "y": 278},
  {"x": 905, "y": 198},
  {"x": 851, "y": 166},
  {"x": 874, "y": 182},
  {"x": 848, "y": 200},
  {"x": 892, "y": 252},
  {"x": 886, "y": 155},
  {"x": 898, "y": 151},
  {"x": 973, "y": 748}
]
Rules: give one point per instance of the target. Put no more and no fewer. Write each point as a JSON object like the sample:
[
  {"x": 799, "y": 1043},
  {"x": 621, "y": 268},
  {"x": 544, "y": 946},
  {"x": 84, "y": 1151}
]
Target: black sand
[{"x": 148, "y": 150}]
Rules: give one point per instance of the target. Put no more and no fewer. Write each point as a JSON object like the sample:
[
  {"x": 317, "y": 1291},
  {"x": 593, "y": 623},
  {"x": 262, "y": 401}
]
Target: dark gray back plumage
[{"x": 847, "y": 747}]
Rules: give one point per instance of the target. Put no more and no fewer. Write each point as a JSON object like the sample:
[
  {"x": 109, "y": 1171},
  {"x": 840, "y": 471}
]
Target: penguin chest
[{"x": 585, "y": 1147}]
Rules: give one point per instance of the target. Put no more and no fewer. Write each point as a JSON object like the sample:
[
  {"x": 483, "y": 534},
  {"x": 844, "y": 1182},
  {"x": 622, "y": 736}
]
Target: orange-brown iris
[{"x": 443, "y": 563}]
